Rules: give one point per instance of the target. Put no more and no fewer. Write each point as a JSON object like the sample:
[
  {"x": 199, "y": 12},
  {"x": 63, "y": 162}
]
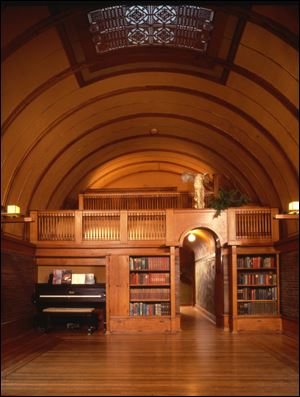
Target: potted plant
[{"x": 227, "y": 198}]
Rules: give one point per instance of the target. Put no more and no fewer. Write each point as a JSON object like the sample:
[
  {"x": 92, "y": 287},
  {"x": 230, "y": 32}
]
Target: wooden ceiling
[{"x": 73, "y": 119}]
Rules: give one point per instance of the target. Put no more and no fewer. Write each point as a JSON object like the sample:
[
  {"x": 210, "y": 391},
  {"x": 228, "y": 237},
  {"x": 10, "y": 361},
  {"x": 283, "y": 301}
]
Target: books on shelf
[
  {"x": 149, "y": 278},
  {"x": 257, "y": 289},
  {"x": 255, "y": 262},
  {"x": 150, "y": 293},
  {"x": 149, "y": 263},
  {"x": 257, "y": 308},
  {"x": 150, "y": 309},
  {"x": 257, "y": 293},
  {"x": 269, "y": 278}
]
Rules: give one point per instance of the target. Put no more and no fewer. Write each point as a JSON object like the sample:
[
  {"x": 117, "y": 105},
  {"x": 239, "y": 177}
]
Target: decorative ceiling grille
[{"x": 127, "y": 26}]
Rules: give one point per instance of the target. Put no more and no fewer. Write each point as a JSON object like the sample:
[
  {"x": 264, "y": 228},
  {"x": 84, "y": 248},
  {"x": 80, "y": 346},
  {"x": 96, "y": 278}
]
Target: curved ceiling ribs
[{"x": 216, "y": 124}]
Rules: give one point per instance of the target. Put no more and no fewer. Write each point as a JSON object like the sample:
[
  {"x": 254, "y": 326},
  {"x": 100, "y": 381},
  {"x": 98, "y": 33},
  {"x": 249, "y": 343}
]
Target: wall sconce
[
  {"x": 13, "y": 210},
  {"x": 294, "y": 208},
  {"x": 13, "y": 215}
]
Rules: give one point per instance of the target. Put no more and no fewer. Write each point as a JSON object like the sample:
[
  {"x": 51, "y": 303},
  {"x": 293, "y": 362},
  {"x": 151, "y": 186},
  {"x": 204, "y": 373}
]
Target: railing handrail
[{"x": 249, "y": 223}]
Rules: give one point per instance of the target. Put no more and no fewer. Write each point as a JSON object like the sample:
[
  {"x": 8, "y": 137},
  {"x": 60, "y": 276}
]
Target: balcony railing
[
  {"x": 235, "y": 225},
  {"x": 135, "y": 201}
]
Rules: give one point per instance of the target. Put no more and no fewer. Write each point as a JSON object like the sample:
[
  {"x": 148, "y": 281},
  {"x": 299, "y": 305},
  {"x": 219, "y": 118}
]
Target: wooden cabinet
[
  {"x": 141, "y": 293},
  {"x": 257, "y": 289}
]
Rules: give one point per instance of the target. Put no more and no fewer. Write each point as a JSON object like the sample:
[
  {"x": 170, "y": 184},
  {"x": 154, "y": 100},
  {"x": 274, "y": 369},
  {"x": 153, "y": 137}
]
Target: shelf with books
[
  {"x": 149, "y": 283},
  {"x": 257, "y": 285}
]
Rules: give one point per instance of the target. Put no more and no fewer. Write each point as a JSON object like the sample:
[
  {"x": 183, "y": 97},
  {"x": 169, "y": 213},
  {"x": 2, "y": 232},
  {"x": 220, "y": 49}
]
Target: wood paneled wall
[
  {"x": 18, "y": 276},
  {"x": 289, "y": 284}
]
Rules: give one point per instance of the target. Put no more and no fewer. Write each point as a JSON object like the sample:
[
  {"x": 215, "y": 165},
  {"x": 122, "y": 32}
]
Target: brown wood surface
[
  {"x": 118, "y": 279},
  {"x": 201, "y": 360}
]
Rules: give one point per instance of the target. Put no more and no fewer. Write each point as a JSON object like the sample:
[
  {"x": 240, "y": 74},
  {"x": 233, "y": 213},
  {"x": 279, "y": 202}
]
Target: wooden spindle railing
[
  {"x": 244, "y": 225},
  {"x": 100, "y": 225},
  {"x": 253, "y": 223},
  {"x": 135, "y": 201},
  {"x": 150, "y": 225},
  {"x": 56, "y": 226}
]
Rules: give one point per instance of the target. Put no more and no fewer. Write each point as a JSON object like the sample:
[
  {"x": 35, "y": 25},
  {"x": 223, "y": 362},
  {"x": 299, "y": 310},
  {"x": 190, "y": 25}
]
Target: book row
[
  {"x": 149, "y": 278},
  {"x": 255, "y": 262},
  {"x": 149, "y": 263},
  {"x": 150, "y": 293},
  {"x": 257, "y": 293},
  {"x": 150, "y": 309},
  {"x": 257, "y": 278},
  {"x": 252, "y": 308}
]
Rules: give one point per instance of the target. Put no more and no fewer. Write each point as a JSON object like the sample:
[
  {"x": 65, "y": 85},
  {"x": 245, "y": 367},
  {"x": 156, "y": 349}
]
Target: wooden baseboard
[
  {"x": 290, "y": 327},
  {"x": 211, "y": 317}
]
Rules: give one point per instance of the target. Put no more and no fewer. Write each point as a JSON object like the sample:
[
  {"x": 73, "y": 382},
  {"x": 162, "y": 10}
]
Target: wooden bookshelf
[
  {"x": 142, "y": 293},
  {"x": 257, "y": 290},
  {"x": 149, "y": 286}
]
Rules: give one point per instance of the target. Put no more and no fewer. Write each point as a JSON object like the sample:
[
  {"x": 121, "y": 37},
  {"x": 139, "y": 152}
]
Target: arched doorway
[{"x": 201, "y": 280}]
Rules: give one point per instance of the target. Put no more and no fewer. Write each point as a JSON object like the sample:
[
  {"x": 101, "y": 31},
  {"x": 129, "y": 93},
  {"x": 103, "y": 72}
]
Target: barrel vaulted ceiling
[{"x": 75, "y": 119}]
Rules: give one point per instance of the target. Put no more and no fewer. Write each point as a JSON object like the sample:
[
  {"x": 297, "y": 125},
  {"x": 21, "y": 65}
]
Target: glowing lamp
[
  {"x": 191, "y": 237},
  {"x": 13, "y": 209},
  {"x": 294, "y": 207}
]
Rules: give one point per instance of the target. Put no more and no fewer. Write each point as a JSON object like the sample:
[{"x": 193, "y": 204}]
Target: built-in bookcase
[
  {"x": 257, "y": 285},
  {"x": 149, "y": 283}
]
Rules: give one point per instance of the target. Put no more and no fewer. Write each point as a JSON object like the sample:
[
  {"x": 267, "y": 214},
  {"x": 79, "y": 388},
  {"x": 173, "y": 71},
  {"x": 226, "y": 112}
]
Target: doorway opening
[{"x": 201, "y": 283}]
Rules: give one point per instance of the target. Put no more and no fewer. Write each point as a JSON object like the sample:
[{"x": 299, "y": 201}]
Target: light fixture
[
  {"x": 13, "y": 215},
  {"x": 294, "y": 208},
  {"x": 13, "y": 210},
  {"x": 191, "y": 237}
]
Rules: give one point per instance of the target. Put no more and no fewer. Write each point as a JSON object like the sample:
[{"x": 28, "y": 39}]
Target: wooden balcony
[{"x": 235, "y": 226}]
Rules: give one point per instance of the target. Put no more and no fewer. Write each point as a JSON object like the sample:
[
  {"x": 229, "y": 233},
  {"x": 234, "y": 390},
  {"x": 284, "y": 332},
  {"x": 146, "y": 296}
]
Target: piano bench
[{"x": 87, "y": 312}]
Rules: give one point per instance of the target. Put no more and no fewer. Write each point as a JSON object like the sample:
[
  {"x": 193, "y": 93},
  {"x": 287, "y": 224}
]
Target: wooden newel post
[
  {"x": 274, "y": 225},
  {"x": 33, "y": 229},
  {"x": 80, "y": 201},
  {"x": 124, "y": 227},
  {"x": 78, "y": 226},
  {"x": 169, "y": 226},
  {"x": 231, "y": 225}
]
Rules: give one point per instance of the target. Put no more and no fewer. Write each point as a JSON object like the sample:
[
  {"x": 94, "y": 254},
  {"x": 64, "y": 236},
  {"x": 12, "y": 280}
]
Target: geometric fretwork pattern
[{"x": 177, "y": 25}]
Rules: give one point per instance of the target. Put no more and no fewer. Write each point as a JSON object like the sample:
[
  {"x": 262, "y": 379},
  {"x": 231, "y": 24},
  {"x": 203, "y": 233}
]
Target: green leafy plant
[{"x": 227, "y": 198}]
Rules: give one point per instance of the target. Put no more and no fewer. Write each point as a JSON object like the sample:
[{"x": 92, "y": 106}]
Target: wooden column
[
  {"x": 173, "y": 289},
  {"x": 274, "y": 225},
  {"x": 33, "y": 233},
  {"x": 78, "y": 226},
  {"x": 123, "y": 227},
  {"x": 233, "y": 321},
  {"x": 169, "y": 226},
  {"x": 231, "y": 226},
  {"x": 80, "y": 201}
]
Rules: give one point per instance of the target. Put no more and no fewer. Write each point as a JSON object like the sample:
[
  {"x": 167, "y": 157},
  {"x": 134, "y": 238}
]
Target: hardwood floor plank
[{"x": 202, "y": 360}]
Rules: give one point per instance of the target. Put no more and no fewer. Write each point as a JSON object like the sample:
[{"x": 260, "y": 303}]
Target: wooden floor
[{"x": 200, "y": 361}]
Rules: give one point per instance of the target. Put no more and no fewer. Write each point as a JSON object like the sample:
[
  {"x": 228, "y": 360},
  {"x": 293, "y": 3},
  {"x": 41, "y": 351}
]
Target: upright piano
[{"x": 49, "y": 296}]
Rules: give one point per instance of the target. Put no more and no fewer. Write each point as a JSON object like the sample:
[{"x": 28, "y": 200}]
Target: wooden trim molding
[
  {"x": 211, "y": 317},
  {"x": 288, "y": 244},
  {"x": 12, "y": 244}
]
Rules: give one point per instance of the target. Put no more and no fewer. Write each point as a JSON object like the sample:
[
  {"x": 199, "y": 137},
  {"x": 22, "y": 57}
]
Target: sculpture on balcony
[{"x": 199, "y": 189}]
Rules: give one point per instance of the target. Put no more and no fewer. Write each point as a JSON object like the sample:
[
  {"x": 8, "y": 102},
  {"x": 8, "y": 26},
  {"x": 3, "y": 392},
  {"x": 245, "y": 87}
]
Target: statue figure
[{"x": 199, "y": 189}]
